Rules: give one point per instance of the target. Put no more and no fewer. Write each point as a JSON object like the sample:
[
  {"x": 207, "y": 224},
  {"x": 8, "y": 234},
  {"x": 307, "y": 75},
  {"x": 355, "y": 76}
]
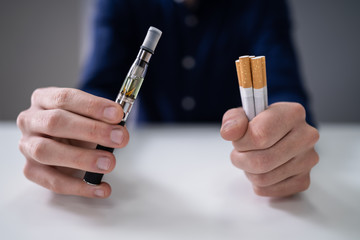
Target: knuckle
[
  {"x": 20, "y": 120},
  {"x": 52, "y": 119},
  {"x": 255, "y": 164},
  {"x": 315, "y": 135},
  {"x": 260, "y": 180},
  {"x": 62, "y": 97},
  {"x": 28, "y": 170},
  {"x": 55, "y": 185},
  {"x": 236, "y": 159},
  {"x": 77, "y": 161},
  {"x": 316, "y": 158},
  {"x": 313, "y": 158},
  {"x": 298, "y": 110},
  {"x": 22, "y": 144},
  {"x": 311, "y": 134},
  {"x": 304, "y": 182},
  {"x": 260, "y": 191},
  {"x": 94, "y": 130},
  {"x": 37, "y": 148},
  {"x": 35, "y": 95},
  {"x": 91, "y": 106}
]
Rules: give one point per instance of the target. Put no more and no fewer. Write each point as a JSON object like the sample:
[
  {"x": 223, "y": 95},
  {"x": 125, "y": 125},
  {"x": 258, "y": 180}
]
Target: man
[{"x": 193, "y": 79}]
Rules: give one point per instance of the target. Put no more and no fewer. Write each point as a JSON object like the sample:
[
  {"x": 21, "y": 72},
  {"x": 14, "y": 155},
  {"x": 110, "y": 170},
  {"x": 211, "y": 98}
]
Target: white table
[{"x": 177, "y": 182}]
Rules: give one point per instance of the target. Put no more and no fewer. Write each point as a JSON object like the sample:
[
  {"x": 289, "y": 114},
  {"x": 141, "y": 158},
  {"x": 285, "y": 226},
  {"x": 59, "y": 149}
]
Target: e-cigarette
[{"x": 130, "y": 88}]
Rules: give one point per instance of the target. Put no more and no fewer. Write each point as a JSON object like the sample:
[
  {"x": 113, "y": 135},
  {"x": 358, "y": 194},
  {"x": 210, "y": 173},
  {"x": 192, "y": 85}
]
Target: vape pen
[{"x": 130, "y": 88}]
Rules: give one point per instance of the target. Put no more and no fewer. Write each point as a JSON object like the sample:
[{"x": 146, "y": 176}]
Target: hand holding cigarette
[
  {"x": 251, "y": 73},
  {"x": 275, "y": 149}
]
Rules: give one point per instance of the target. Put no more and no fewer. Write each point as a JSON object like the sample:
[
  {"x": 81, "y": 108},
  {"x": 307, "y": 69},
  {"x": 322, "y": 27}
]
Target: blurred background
[{"x": 44, "y": 43}]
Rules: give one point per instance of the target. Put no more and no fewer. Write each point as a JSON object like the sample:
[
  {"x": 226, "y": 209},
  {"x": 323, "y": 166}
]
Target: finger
[
  {"x": 50, "y": 152},
  {"x": 234, "y": 124},
  {"x": 62, "y": 124},
  {"x": 288, "y": 187},
  {"x": 302, "y": 163},
  {"x": 78, "y": 102},
  {"x": 270, "y": 126},
  {"x": 299, "y": 140},
  {"x": 60, "y": 183}
]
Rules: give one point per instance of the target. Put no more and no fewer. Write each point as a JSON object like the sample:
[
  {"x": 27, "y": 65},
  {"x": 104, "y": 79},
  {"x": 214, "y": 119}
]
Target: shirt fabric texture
[{"x": 192, "y": 77}]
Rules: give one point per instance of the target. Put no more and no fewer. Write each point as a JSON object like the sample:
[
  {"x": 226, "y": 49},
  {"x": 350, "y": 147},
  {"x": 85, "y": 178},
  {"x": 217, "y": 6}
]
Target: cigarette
[
  {"x": 258, "y": 71},
  {"x": 246, "y": 86},
  {"x": 265, "y": 81},
  {"x": 251, "y": 73}
]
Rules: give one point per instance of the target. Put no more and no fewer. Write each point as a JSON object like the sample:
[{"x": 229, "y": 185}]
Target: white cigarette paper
[
  {"x": 251, "y": 72},
  {"x": 247, "y": 99}
]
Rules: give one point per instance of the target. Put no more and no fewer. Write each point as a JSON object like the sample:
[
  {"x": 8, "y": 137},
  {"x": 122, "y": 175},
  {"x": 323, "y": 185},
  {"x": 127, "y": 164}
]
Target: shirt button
[
  {"x": 188, "y": 103},
  {"x": 191, "y": 20},
  {"x": 188, "y": 62}
]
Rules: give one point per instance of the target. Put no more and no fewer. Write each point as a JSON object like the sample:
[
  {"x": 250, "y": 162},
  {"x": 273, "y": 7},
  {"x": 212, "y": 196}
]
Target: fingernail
[
  {"x": 228, "y": 125},
  {"x": 117, "y": 136},
  {"x": 110, "y": 113},
  {"x": 103, "y": 163},
  {"x": 99, "y": 193}
]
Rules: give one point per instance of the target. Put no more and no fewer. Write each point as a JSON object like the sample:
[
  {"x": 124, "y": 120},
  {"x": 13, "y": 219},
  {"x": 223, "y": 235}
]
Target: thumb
[{"x": 234, "y": 124}]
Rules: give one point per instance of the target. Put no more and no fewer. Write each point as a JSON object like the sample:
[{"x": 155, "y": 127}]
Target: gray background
[{"x": 43, "y": 43}]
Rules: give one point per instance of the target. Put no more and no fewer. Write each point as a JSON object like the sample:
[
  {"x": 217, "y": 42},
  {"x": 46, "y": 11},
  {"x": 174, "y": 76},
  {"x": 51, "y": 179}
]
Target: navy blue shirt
[{"x": 192, "y": 75}]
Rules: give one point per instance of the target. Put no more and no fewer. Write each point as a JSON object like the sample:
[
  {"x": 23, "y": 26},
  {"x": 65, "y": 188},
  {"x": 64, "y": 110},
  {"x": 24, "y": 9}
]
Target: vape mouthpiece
[{"x": 151, "y": 40}]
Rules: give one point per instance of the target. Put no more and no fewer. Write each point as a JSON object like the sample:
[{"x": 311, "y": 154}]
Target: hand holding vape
[{"x": 130, "y": 88}]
